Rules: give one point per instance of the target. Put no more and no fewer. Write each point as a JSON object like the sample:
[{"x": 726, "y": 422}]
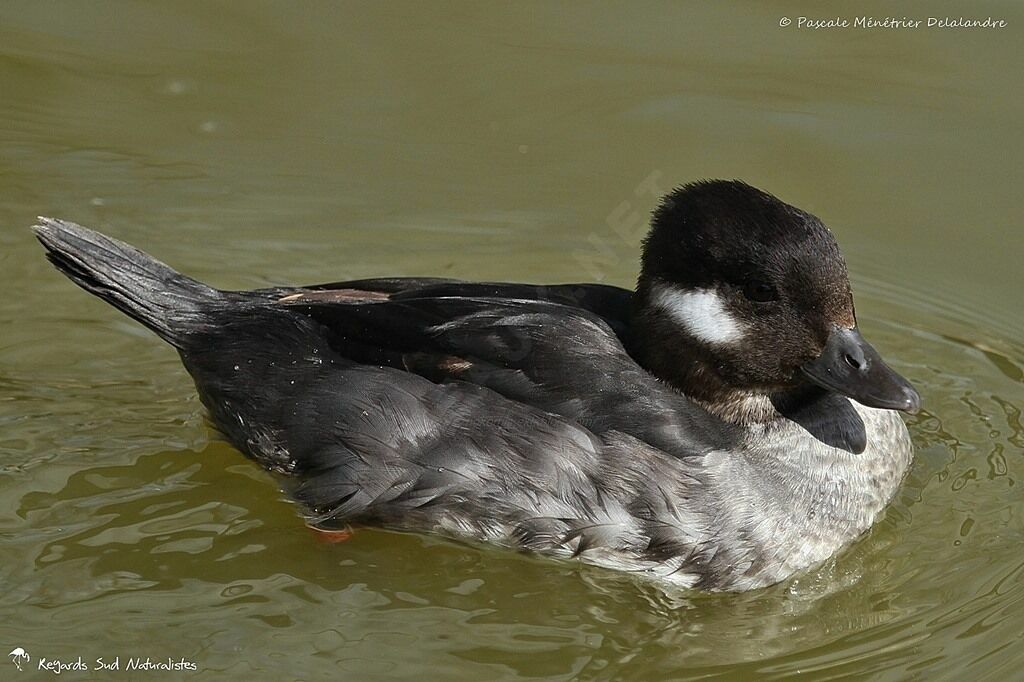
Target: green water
[{"x": 254, "y": 143}]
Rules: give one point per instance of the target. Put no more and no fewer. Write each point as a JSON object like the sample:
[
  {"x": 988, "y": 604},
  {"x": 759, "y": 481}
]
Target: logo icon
[{"x": 18, "y": 656}]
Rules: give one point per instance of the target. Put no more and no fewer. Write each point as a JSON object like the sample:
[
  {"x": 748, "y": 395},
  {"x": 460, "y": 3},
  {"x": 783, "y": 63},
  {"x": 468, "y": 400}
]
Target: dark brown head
[{"x": 741, "y": 293}]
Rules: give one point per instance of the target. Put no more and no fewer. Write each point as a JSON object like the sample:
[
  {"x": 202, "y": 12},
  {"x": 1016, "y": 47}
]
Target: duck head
[{"x": 742, "y": 297}]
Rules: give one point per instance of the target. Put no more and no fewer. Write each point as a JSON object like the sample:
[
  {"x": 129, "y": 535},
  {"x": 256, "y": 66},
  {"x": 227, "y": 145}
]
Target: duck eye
[{"x": 760, "y": 292}]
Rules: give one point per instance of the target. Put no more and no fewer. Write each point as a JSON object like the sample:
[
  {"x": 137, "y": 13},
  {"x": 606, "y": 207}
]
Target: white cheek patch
[{"x": 701, "y": 312}]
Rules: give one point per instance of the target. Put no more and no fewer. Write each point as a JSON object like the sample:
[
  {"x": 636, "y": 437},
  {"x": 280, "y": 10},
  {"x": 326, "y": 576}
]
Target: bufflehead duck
[{"x": 721, "y": 427}]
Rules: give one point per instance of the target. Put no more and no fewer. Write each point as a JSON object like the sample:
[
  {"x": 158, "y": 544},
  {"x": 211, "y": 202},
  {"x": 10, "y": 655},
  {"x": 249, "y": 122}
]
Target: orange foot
[{"x": 331, "y": 536}]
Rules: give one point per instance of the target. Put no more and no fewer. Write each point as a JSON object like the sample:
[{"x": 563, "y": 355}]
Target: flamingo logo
[{"x": 18, "y": 656}]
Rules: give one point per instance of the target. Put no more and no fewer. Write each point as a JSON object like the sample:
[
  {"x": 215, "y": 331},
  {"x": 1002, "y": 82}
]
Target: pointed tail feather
[{"x": 171, "y": 304}]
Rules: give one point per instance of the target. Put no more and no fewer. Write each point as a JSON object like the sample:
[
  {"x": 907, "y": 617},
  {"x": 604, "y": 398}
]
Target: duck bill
[{"x": 850, "y": 366}]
